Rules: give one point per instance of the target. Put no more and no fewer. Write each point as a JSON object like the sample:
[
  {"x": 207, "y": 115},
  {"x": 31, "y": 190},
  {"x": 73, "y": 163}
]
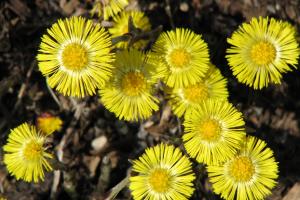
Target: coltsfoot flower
[
  {"x": 25, "y": 153},
  {"x": 75, "y": 56},
  {"x": 139, "y": 19},
  {"x": 262, "y": 51},
  {"x": 163, "y": 173},
  {"x": 184, "y": 55},
  {"x": 249, "y": 175},
  {"x": 108, "y": 8},
  {"x": 48, "y": 123},
  {"x": 212, "y": 86},
  {"x": 214, "y": 132},
  {"x": 129, "y": 93}
]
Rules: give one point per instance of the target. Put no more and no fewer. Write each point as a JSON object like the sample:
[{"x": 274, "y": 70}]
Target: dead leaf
[
  {"x": 294, "y": 193},
  {"x": 114, "y": 158},
  {"x": 20, "y": 8},
  {"x": 69, "y": 6},
  {"x": 92, "y": 163}
]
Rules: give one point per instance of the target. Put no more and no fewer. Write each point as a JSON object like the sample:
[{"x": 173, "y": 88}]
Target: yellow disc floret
[
  {"x": 33, "y": 150},
  {"x": 263, "y": 53},
  {"x": 241, "y": 169},
  {"x": 262, "y": 50},
  {"x": 185, "y": 99},
  {"x": 162, "y": 172},
  {"x": 25, "y": 153},
  {"x": 139, "y": 21},
  {"x": 210, "y": 130},
  {"x": 159, "y": 180},
  {"x": 180, "y": 58},
  {"x": 183, "y": 55},
  {"x": 251, "y": 174},
  {"x": 74, "y": 57},
  {"x": 108, "y": 8},
  {"x": 214, "y": 131},
  {"x": 130, "y": 92},
  {"x": 196, "y": 93},
  {"x": 133, "y": 83}
]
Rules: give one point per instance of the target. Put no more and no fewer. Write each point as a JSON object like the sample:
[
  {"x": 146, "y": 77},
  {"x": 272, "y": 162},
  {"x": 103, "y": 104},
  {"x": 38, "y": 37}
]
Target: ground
[{"x": 96, "y": 147}]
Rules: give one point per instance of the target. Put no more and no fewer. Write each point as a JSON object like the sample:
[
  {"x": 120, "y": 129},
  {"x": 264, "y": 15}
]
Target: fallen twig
[
  {"x": 54, "y": 96},
  {"x": 60, "y": 154},
  {"x": 117, "y": 188}
]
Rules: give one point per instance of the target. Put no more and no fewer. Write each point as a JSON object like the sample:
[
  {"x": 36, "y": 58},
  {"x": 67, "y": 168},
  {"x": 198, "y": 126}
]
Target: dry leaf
[{"x": 294, "y": 193}]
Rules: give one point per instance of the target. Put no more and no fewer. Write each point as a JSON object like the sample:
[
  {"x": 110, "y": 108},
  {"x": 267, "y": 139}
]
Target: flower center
[
  {"x": 179, "y": 58},
  {"x": 210, "y": 130},
  {"x": 196, "y": 93},
  {"x": 33, "y": 151},
  {"x": 133, "y": 83},
  {"x": 263, "y": 53},
  {"x": 74, "y": 57},
  {"x": 160, "y": 180},
  {"x": 241, "y": 169}
]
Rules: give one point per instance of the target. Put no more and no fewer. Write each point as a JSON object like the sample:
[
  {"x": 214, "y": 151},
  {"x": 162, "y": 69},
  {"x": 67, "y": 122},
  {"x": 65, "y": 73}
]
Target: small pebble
[
  {"x": 99, "y": 143},
  {"x": 184, "y": 7}
]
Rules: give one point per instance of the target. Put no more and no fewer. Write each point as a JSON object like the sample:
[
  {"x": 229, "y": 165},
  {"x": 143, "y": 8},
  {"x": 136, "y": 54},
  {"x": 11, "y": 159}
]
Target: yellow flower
[
  {"x": 213, "y": 131},
  {"x": 262, "y": 51},
  {"x": 25, "y": 154},
  {"x": 163, "y": 173},
  {"x": 249, "y": 175},
  {"x": 75, "y": 56},
  {"x": 121, "y": 27},
  {"x": 212, "y": 86},
  {"x": 108, "y": 8},
  {"x": 48, "y": 123},
  {"x": 129, "y": 92},
  {"x": 184, "y": 55}
]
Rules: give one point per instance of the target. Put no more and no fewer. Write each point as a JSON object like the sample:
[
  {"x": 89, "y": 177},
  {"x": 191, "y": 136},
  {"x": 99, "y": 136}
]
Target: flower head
[
  {"x": 25, "y": 153},
  {"x": 163, "y": 173},
  {"x": 139, "y": 19},
  {"x": 249, "y": 175},
  {"x": 48, "y": 123},
  {"x": 212, "y": 86},
  {"x": 129, "y": 93},
  {"x": 261, "y": 51},
  {"x": 109, "y": 8},
  {"x": 213, "y": 131},
  {"x": 184, "y": 55},
  {"x": 75, "y": 56}
]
